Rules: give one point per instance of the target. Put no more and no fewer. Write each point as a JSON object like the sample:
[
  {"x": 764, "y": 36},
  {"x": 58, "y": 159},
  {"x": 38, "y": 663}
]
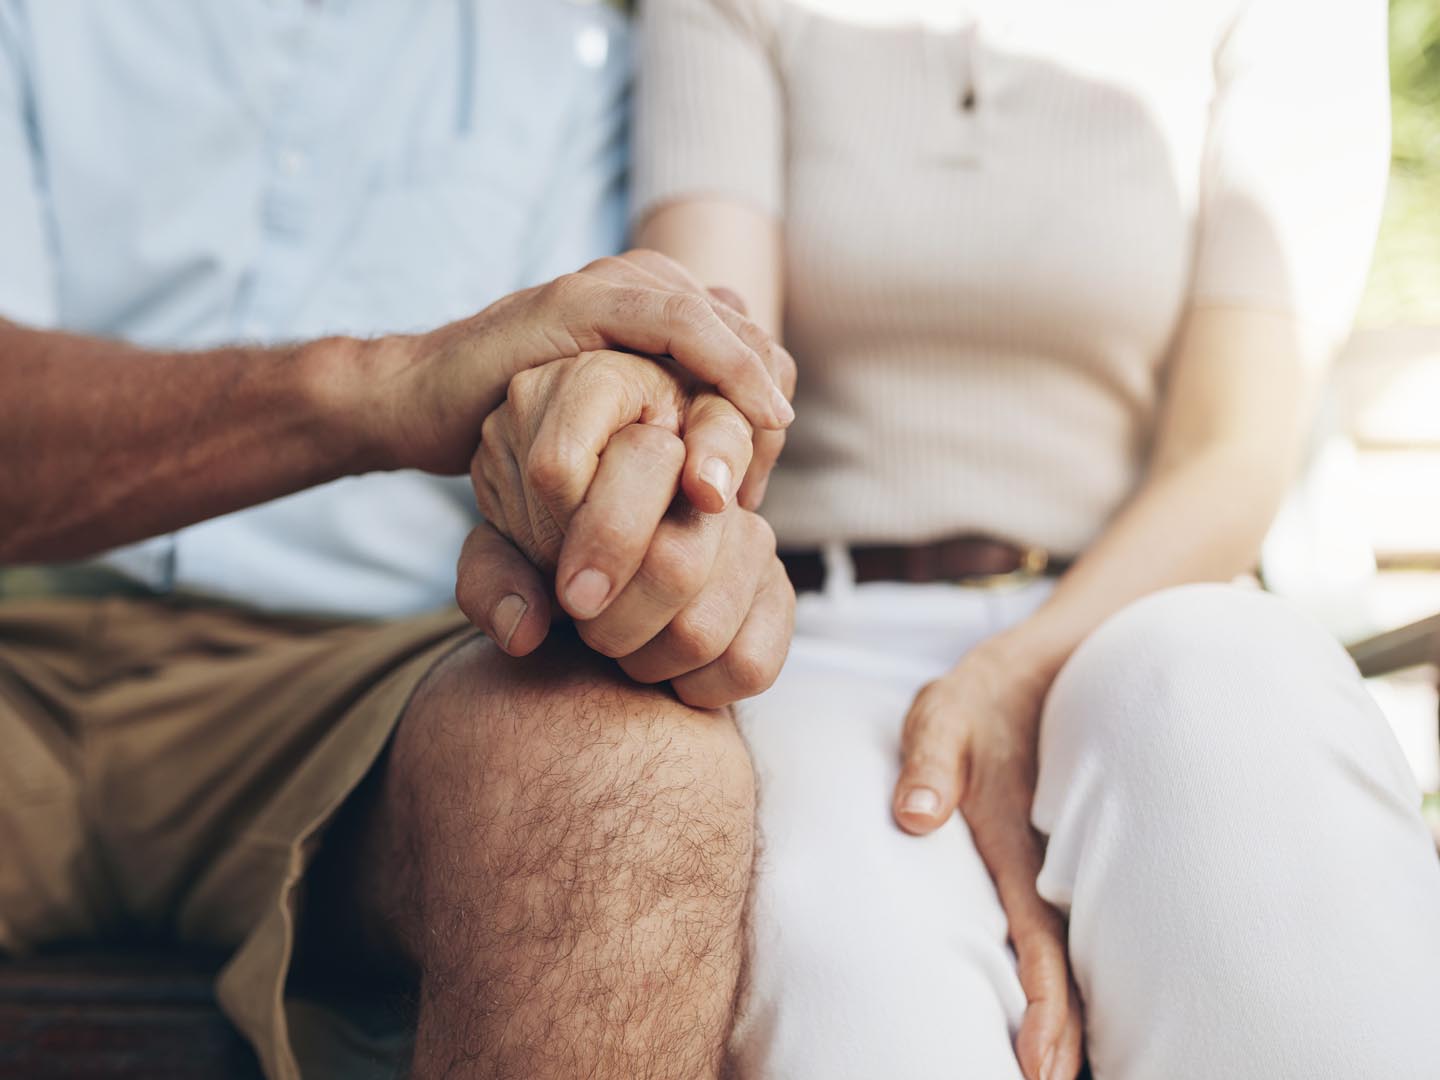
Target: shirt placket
[{"x": 287, "y": 205}]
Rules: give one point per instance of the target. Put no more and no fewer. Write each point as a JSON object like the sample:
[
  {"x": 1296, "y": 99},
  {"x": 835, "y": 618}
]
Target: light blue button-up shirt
[{"x": 185, "y": 173}]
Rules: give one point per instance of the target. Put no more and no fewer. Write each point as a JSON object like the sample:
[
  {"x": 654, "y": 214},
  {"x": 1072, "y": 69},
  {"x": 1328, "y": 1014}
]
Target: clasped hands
[
  {"x": 614, "y": 479},
  {"x": 625, "y": 487}
]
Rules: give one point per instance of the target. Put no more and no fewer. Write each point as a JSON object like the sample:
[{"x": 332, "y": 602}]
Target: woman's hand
[
  {"x": 593, "y": 471},
  {"x": 581, "y": 462},
  {"x": 970, "y": 743}
]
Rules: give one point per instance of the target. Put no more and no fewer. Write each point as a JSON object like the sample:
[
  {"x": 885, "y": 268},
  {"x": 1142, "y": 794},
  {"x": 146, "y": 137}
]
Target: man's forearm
[{"x": 102, "y": 443}]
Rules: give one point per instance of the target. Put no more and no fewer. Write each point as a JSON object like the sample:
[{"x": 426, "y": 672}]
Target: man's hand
[
  {"x": 581, "y": 468},
  {"x": 118, "y": 443},
  {"x": 970, "y": 742},
  {"x": 431, "y": 392},
  {"x": 626, "y": 424}
]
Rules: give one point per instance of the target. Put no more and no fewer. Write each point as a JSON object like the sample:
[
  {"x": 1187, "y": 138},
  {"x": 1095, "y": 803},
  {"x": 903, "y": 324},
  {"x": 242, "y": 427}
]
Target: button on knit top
[{"x": 996, "y": 216}]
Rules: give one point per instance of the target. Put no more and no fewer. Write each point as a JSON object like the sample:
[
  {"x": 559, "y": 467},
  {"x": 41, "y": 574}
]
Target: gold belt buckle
[{"x": 1034, "y": 561}]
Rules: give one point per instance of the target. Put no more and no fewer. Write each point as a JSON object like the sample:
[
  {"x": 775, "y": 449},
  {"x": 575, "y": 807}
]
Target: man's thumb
[{"x": 501, "y": 593}]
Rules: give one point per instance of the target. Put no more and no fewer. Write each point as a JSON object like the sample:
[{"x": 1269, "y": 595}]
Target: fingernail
[
  {"x": 920, "y": 800},
  {"x": 505, "y": 619},
  {"x": 587, "y": 592},
  {"x": 717, "y": 474},
  {"x": 783, "y": 410}
]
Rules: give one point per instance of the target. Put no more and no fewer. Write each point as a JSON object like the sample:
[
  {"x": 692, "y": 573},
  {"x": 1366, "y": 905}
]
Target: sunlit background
[{"x": 1360, "y": 544}]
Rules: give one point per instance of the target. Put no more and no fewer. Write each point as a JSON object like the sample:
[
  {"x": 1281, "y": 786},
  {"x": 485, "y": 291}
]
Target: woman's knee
[{"x": 1202, "y": 672}]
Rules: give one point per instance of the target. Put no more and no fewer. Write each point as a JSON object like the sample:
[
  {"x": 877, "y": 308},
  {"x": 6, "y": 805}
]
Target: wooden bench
[
  {"x": 116, "y": 1014},
  {"x": 150, "y": 1014}
]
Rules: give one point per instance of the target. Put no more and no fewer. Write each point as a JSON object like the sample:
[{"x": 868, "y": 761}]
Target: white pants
[{"x": 1233, "y": 833}]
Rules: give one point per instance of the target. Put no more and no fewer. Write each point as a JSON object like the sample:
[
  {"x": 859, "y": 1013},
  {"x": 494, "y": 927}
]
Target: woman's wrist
[{"x": 1031, "y": 653}]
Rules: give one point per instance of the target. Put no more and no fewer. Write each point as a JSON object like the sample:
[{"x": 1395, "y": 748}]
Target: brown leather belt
[{"x": 966, "y": 560}]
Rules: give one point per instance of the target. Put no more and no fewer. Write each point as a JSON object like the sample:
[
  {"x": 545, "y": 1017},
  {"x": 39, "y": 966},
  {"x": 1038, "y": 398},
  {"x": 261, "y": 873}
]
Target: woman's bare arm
[
  {"x": 1227, "y": 441},
  {"x": 1232, "y": 421},
  {"x": 1234, "y": 409},
  {"x": 724, "y": 243}
]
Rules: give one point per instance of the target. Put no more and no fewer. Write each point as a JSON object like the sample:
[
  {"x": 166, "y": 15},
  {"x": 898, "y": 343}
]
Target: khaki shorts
[{"x": 167, "y": 768}]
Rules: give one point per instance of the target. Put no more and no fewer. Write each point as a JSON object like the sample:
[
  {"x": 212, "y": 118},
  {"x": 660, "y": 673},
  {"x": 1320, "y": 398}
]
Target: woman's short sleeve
[
  {"x": 1296, "y": 160},
  {"x": 708, "y": 109}
]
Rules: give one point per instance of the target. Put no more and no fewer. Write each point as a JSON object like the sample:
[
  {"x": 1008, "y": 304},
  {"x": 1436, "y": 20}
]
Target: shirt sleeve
[
  {"x": 27, "y": 265},
  {"x": 1296, "y": 161},
  {"x": 709, "y": 115},
  {"x": 582, "y": 215}
]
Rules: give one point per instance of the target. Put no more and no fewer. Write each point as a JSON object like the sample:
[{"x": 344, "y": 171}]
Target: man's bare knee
[
  {"x": 580, "y": 842},
  {"x": 565, "y": 728}
]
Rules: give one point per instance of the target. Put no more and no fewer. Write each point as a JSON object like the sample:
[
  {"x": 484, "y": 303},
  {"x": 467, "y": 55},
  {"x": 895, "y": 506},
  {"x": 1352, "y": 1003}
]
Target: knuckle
[
  {"x": 729, "y": 424},
  {"x": 926, "y": 760},
  {"x": 932, "y": 700},
  {"x": 669, "y": 449},
  {"x": 525, "y": 390},
  {"x": 674, "y": 566},
  {"x": 664, "y": 446},
  {"x": 595, "y": 360},
  {"x": 752, "y": 667},
  {"x": 570, "y": 286},
  {"x": 564, "y": 293},
  {"x": 687, "y": 310},
  {"x": 651, "y": 262},
  {"x": 549, "y": 468},
  {"x": 750, "y": 332},
  {"x": 647, "y": 256},
  {"x": 931, "y": 732},
  {"x": 492, "y": 432},
  {"x": 695, "y": 638},
  {"x": 729, "y": 297},
  {"x": 602, "y": 371}
]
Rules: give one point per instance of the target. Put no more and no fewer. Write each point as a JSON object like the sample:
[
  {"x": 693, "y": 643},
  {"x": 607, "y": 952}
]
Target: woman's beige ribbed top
[{"x": 995, "y": 215}]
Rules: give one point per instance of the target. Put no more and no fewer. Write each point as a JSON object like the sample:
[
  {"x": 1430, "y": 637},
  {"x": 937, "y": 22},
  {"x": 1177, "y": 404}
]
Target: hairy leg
[{"x": 562, "y": 859}]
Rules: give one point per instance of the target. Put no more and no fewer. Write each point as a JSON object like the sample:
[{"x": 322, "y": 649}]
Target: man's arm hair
[{"x": 103, "y": 443}]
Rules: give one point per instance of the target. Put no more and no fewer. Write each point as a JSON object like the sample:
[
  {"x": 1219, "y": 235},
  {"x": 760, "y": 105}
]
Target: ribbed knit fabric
[{"x": 995, "y": 217}]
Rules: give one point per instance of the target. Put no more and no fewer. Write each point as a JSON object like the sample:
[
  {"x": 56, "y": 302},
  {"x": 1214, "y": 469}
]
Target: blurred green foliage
[{"x": 1405, "y": 280}]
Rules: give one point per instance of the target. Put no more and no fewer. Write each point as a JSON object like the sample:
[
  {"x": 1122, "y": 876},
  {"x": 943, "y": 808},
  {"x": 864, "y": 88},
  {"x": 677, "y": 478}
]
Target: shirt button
[
  {"x": 592, "y": 47},
  {"x": 292, "y": 162}
]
